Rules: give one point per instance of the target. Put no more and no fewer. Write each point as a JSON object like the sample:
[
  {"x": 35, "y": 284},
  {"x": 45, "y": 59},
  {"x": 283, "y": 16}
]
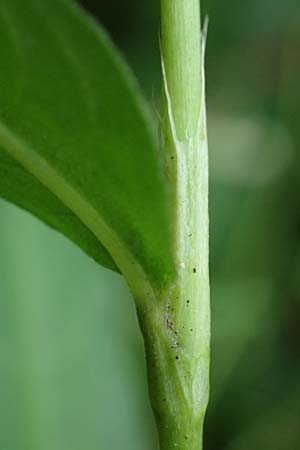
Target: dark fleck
[
  {"x": 194, "y": 270},
  {"x": 170, "y": 323}
]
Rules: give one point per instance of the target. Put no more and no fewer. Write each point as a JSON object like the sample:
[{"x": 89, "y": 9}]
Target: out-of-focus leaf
[
  {"x": 67, "y": 356},
  {"x": 284, "y": 418}
]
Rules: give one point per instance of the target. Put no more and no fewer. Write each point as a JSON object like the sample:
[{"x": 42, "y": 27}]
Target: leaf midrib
[{"x": 79, "y": 205}]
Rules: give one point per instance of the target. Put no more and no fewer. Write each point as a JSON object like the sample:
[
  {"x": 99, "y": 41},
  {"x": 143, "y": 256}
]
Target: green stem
[
  {"x": 176, "y": 323},
  {"x": 181, "y": 52}
]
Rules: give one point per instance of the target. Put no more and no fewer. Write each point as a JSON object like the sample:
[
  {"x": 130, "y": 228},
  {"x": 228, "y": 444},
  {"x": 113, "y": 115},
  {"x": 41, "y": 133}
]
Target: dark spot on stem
[
  {"x": 194, "y": 270},
  {"x": 170, "y": 323}
]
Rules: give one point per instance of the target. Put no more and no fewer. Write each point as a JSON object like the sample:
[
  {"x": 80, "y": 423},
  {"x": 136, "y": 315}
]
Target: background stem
[{"x": 176, "y": 324}]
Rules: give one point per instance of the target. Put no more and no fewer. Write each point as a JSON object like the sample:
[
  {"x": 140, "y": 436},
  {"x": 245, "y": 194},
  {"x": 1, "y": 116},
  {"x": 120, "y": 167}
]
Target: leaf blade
[
  {"x": 73, "y": 118},
  {"x": 19, "y": 187}
]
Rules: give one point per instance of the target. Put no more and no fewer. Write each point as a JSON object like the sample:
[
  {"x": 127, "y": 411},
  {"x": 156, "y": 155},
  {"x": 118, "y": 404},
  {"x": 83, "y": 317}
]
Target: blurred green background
[{"x": 72, "y": 373}]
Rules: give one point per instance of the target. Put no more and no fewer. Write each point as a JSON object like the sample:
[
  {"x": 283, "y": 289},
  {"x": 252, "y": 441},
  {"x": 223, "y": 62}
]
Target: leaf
[
  {"x": 76, "y": 145},
  {"x": 21, "y": 188}
]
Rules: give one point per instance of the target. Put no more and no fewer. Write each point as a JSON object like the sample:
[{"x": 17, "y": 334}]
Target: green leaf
[
  {"x": 76, "y": 145},
  {"x": 20, "y": 187}
]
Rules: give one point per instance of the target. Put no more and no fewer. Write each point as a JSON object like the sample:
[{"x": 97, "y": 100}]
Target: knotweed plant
[{"x": 78, "y": 149}]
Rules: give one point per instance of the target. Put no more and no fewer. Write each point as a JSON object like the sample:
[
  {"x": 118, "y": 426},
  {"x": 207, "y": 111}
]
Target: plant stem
[
  {"x": 181, "y": 52},
  {"x": 176, "y": 323}
]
